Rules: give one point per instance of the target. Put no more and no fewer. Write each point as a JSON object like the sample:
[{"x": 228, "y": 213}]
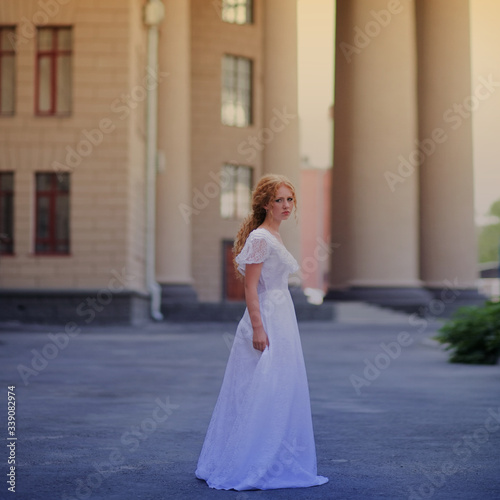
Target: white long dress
[{"x": 261, "y": 435}]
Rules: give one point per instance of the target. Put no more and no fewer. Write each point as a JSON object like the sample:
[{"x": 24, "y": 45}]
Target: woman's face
[{"x": 281, "y": 206}]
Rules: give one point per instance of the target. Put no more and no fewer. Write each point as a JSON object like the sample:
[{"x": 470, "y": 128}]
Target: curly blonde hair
[{"x": 263, "y": 193}]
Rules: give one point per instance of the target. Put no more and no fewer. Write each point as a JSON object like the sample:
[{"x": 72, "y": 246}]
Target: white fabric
[{"x": 261, "y": 435}]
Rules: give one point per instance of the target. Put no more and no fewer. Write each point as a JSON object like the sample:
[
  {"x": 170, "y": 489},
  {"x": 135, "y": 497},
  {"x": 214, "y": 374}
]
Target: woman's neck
[{"x": 272, "y": 225}]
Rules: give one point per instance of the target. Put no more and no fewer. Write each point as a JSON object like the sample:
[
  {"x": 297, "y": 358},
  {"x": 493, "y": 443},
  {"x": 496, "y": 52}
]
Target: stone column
[
  {"x": 374, "y": 217},
  {"x": 281, "y": 154},
  {"x": 448, "y": 243},
  {"x": 173, "y": 251}
]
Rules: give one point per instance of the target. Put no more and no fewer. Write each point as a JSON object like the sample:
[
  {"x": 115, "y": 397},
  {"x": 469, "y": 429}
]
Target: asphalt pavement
[{"x": 121, "y": 413}]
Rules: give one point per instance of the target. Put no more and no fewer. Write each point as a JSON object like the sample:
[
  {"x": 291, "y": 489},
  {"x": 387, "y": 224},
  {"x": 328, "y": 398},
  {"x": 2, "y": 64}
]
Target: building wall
[
  {"x": 105, "y": 192},
  {"x": 314, "y": 207},
  {"x": 213, "y": 144}
]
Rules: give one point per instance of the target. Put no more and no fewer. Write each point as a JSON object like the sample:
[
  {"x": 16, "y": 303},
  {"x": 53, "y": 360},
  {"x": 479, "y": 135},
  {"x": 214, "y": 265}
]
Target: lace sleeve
[{"x": 255, "y": 251}]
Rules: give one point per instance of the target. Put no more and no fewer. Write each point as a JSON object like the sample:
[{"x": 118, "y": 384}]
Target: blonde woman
[{"x": 261, "y": 435}]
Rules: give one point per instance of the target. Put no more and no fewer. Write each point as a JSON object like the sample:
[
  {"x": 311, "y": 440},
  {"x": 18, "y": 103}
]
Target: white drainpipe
[{"x": 154, "y": 12}]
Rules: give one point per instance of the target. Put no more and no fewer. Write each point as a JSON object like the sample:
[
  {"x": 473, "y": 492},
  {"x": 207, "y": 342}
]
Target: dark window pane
[
  {"x": 44, "y": 181},
  {"x": 7, "y": 38},
  {"x": 6, "y": 212},
  {"x": 42, "y": 247},
  {"x": 43, "y": 217},
  {"x": 62, "y": 182},
  {"x": 62, "y": 247},
  {"x": 7, "y": 72},
  {"x": 64, "y": 39},
  {"x": 45, "y": 39},
  {"x": 63, "y": 84},
  {"x": 44, "y": 84},
  {"x": 6, "y": 181},
  {"x": 62, "y": 218}
]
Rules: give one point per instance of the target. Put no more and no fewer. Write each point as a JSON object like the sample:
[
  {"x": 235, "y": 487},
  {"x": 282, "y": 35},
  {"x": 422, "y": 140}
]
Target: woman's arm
[{"x": 252, "y": 275}]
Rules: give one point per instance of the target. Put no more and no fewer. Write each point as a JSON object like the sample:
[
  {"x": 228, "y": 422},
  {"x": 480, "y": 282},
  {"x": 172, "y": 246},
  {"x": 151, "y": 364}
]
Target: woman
[{"x": 260, "y": 435}]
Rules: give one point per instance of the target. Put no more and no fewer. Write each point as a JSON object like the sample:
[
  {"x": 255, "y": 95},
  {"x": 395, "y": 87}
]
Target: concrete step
[
  {"x": 362, "y": 313},
  {"x": 233, "y": 311}
]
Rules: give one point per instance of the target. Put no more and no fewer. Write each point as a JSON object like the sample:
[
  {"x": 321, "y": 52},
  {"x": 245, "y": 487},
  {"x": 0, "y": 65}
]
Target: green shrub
[{"x": 473, "y": 334}]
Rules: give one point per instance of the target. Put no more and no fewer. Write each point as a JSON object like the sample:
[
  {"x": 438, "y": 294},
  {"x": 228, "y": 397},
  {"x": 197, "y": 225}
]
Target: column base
[
  {"x": 436, "y": 301},
  {"x": 450, "y": 299},
  {"x": 179, "y": 293},
  {"x": 407, "y": 299},
  {"x": 83, "y": 307},
  {"x": 180, "y": 304}
]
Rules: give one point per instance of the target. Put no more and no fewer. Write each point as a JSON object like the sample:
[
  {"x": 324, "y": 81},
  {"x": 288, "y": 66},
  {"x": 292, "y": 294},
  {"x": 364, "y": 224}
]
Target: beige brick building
[
  {"x": 86, "y": 232},
  {"x": 78, "y": 118}
]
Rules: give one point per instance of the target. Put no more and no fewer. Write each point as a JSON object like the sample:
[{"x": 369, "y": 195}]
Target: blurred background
[{"x": 133, "y": 132}]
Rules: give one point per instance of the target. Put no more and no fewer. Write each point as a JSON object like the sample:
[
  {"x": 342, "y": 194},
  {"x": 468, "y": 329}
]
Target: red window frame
[
  {"x": 7, "y": 247},
  {"x": 54, "y": 53},
  {"x": 6, "y": 52},
  {"x": 52, "y": 194}
]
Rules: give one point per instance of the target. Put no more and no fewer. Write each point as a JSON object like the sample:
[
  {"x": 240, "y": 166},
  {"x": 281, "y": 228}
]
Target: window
[
  {"x": 236, "y": 91},
  {"x": 236, "y": 191},
  {"x": 6, "y": 213},
  {"x": 52, "y": 213},
  {"x": 7, "y": 70},
  {"x": 53, "y": 86},
  {"x": 237, "y": 11}
]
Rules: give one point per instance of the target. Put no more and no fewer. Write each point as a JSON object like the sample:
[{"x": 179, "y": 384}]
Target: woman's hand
[{"x": 260, "y": 339}]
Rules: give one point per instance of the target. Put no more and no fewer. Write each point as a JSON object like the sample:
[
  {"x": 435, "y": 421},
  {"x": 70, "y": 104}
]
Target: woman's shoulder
[{"x": 260, "y": 233}]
